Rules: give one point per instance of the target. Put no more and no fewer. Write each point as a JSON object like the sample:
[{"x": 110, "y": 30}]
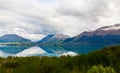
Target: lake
[{"x": 23, "y": 51}]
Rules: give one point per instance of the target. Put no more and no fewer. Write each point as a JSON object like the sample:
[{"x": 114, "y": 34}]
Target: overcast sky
[{"x": 34, "y": 19}]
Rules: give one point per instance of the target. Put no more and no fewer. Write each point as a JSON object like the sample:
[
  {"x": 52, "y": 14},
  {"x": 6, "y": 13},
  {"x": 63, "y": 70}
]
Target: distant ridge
[
  {"x": 13, "y": 38},
  {"x": 103, "y": 35},
  {"x": 53, "y": 38}
]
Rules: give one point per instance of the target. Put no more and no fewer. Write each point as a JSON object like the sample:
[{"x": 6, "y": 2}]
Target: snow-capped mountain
[
  {"x": 53, "y": 38},
  {"x": 103, "y": 35}
]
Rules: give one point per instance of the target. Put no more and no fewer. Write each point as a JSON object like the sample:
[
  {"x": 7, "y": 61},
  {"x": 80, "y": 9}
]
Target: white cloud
[
  {"x": 36, "y": 18},
  {"x": 31, "y": 51}
]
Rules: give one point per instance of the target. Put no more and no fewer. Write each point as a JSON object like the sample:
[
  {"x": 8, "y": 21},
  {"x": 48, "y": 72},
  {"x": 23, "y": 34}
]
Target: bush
[{"x": 101, "y": 69}]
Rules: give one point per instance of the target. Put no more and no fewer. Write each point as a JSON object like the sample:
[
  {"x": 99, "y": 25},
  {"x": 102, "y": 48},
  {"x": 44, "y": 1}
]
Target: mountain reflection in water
[{"x": 23, "y": 51}]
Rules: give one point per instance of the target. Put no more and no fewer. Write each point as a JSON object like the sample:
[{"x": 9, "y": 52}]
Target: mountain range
[{"x": 103, "y": 35}]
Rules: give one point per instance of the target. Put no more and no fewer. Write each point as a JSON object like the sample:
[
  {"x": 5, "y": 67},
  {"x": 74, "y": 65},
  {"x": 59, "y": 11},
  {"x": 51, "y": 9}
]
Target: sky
[{"x": 34, "y": 19}]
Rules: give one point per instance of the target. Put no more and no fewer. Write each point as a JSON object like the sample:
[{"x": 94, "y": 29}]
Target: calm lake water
[{"x": 46, "y": 50}]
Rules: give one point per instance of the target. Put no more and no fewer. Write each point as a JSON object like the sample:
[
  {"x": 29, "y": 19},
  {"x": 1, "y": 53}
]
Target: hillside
[
  {"x": 53, "y": 38},
  {"x": 13, "y": 38},
  {"x": 103, "y": 35}
]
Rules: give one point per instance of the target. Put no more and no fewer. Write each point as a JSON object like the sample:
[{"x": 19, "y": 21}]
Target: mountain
[
  {"x": 53, "y": 38},
  {"x": 13, "y": 38},
  {"x": 103, "y": 35}
]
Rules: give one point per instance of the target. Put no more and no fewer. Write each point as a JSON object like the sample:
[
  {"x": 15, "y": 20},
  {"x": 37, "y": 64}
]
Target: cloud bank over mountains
[{"x": 36, "y": 18}]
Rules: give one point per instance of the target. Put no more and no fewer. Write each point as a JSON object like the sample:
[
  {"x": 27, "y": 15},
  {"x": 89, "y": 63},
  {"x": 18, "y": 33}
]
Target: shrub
[{"x": 101, "y": 69}]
